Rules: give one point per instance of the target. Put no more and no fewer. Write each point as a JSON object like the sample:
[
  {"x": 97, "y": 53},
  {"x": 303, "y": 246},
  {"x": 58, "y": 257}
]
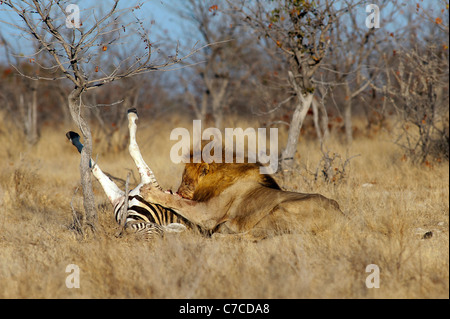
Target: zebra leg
[
  {"x": 147, "y": 176},
  {"x": 147, "y": 230},
  {"x": 112, "y": 191}
]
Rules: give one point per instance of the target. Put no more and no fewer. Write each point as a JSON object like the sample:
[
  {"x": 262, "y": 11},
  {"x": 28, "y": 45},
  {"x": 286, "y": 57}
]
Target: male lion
[{"x": 237, "y": 199}]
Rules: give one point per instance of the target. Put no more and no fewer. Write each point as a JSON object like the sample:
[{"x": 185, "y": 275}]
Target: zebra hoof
[
  {"x": 132, "y": 110},
  {"x": 72, "y": 135}
]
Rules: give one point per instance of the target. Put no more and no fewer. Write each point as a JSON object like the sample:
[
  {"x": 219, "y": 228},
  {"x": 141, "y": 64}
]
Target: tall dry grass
[{"x": 391, "y": 205}]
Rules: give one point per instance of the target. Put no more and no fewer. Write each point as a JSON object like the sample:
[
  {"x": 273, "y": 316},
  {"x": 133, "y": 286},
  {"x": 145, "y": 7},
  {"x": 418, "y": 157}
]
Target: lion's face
[{"x": 192, "y": 175}]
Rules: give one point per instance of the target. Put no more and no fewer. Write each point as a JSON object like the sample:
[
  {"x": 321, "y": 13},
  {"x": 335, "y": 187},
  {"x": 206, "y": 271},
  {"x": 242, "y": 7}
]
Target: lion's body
[
  {"x": 259, "y": 211},
  {"x": 236, "y": 199}
]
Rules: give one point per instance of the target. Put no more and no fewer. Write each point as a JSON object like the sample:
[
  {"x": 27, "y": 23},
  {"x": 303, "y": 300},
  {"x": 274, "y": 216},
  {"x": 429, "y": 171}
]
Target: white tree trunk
[
  {"x": 75, "y": 106},
  {"x": 287, "y": 156}
]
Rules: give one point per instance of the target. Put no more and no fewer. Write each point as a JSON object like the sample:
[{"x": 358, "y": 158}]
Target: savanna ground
[{"x": 392, "y": 204}]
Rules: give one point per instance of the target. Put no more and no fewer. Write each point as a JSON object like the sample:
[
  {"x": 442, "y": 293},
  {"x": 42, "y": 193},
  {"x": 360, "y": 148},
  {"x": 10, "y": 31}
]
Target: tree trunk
[
  {"x": 304, "y": 103},
  {"x": 218, "y": 98},
  {"x": 321, "y": 125},
  {"x": 323, "y": 114},
  {"x": 28, "y": 114},
  {"x": 32, "y": 134},
  {"x": 204, "y": 107},
  {"x": 348, "y": 115},
  {"x": 316, "y": 119},
  {"x": 75, "y": 107}
]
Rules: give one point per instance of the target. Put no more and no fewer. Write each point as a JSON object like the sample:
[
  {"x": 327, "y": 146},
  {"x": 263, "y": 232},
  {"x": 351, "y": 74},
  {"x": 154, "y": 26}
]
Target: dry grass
[{"x": 392, "y": 204}]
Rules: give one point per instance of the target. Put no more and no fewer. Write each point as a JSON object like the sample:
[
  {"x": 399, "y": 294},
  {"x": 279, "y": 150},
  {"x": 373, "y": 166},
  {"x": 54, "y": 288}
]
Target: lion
[{"x": 236, "y": 199}]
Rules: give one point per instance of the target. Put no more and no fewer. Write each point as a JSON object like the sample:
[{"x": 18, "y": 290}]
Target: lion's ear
[{"x": 204, "y": 169}]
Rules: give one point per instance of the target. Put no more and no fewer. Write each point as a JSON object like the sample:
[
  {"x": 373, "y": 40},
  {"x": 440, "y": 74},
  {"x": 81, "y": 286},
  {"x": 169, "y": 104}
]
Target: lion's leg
[
  {"x": 205, "y": 214},
  {"x": 147, "y": 176}
]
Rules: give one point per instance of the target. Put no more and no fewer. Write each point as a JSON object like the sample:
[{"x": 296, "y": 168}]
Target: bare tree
[
  {"x": 25, "y": 100},
  {"x": 77, "y": 48},
  {"x": 21, "y": 101},
  {"x": 215, "y": 81},
  {"x": 415, "y": 81},
  {"x": 353, "y": 62},
  {"x": 301, "y": 30}
]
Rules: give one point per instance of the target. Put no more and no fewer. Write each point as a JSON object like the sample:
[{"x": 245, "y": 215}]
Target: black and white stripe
[{"x": 149, "y": 219}]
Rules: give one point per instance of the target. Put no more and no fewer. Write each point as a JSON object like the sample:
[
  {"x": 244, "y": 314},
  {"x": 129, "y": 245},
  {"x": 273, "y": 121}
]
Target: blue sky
[{"x": 157, "y": 16}]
